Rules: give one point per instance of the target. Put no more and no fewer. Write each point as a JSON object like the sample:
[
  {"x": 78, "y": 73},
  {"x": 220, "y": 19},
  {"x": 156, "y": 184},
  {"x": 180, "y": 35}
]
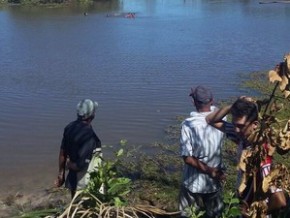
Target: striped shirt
[{"x": 204, "y": 142}]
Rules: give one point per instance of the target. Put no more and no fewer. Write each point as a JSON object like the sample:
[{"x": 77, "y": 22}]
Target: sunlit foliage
[
  {"x": 105, "y": 194},
  {"x": 276, "y": 134}
]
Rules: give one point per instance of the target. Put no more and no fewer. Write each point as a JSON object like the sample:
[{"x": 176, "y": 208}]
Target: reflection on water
[{"x": 139, "y": 70}]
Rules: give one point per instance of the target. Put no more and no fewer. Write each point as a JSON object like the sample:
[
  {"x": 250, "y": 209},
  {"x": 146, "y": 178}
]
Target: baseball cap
[
  {"x": 201, "y": 94},
  {"x": 86, "y": 108}
]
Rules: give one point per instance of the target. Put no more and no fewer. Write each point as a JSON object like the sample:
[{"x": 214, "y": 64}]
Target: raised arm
[{"x": 215, "y": 118}]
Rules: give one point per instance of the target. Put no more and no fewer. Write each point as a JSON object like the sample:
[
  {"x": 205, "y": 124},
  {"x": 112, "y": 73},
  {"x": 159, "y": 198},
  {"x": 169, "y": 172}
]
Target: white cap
[{"x": 86, "y": 108}]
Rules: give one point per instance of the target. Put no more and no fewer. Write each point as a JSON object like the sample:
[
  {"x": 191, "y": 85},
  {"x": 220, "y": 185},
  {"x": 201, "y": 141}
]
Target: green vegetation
[
  {"x": 138, "y": 181},
  {"x": 46, "y": 2},
  {"x": 41, "y": 213},
  {"x": 193, "y": 213},
  {"x": 108, "y": 194},
  {"x": 231, "y": 205},
  {"x": 231, "y": 208},
  {"x": 107, "y": 186},
  {"x": 34, "y": 2}
]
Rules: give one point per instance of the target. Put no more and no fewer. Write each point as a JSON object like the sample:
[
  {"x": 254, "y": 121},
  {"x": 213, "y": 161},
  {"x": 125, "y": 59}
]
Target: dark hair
[
  {"x": 246, "y": 108},
  {"x": 82, "y": 118}
]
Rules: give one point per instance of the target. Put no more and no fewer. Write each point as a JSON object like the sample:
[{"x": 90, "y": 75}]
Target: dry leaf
[
  {"x": 275, "y": 107},
  {"x": 280, "y": 74},
  {"x": 287, "y": 61},
  {"x": 274, "y": 76},
  {"x": 286, "y": 93},
  {"x": 283, "y": 83},
  {"x": 243, "y": 183},
  {"x": 284, "y": 137},
  {"x": 258, "y": 209}
]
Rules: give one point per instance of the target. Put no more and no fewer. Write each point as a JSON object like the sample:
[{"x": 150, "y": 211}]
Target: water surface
[{"x": 139, "y": 70}]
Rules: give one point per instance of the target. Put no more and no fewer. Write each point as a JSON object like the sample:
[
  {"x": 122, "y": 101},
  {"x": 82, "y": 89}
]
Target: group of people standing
[{"x": 201, "y": 140}]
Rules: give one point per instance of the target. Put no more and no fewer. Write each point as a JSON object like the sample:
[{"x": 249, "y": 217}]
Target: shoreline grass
[{"x": 156, "y": 177}]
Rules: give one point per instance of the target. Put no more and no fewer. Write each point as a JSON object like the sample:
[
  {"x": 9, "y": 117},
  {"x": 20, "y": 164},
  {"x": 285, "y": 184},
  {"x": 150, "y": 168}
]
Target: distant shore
[{"x": 272, "y": 2}]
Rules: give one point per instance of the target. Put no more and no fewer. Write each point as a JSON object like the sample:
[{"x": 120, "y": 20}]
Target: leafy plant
[
  {"x": 105, "y": 194},
  {"x": 231, "y": 205},
  {"x": 106, "y": 185},
  {"x": 231, "y": 208},
  {"x": 194, "y": 213}
]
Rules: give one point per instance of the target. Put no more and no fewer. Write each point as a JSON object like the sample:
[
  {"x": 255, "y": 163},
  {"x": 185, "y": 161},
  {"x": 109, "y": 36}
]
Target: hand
[
  {"x": 217, "y": 174},
  {"x": 60, "y": 180},
  {"x": 72, "y": 166},
  {"x": 220, "y": 175}
]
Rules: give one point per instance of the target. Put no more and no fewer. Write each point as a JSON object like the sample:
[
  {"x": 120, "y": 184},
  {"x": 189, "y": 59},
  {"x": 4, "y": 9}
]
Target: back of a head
[
  {"x": 243, "y": 107},
  {"x": 201, "y": 95},
  {"x": 86, "y": 109}
]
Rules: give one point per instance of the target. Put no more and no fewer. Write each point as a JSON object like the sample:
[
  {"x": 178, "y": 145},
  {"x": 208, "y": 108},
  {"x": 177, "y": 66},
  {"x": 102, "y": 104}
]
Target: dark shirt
[{"x": 79, "y": 142}]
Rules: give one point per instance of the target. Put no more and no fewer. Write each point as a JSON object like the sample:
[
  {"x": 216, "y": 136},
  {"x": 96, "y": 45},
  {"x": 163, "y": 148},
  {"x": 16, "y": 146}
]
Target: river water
[{"x": 140, "y": 70}]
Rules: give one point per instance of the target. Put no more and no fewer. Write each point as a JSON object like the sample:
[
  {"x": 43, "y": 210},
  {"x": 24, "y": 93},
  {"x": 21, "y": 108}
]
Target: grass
[
  {"x": 39, "y": 213},
  {"x": 156, "y": 176}
]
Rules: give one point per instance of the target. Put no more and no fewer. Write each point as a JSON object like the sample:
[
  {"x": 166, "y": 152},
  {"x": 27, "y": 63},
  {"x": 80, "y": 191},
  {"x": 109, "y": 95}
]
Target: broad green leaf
[
  {"x": 120, "y": 152},
  {"x": 235, "y": 201},
  {"x": 234, "y": 211}
]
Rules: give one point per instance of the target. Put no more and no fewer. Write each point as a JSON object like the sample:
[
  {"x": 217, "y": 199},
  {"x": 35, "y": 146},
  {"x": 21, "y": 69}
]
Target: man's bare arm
[
  {"x": 204, "y": 168},
  {"x": 215, "y": 118},
  {"x": 61, "y": 172}
]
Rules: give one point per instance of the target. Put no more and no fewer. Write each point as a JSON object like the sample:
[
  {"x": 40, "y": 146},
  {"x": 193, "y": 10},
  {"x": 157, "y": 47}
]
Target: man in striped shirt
[
  {"x": 200, "y": 147},
  {"x": 245, "y": 121}
]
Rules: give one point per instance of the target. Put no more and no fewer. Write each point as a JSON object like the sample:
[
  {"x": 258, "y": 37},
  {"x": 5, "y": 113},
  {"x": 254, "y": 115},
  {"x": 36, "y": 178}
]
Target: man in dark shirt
[{"x": 79, "y": 143}]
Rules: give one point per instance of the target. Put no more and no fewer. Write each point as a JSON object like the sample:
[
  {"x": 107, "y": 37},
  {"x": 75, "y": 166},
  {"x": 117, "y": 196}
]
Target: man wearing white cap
[{"x": 79, "y": 144}]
